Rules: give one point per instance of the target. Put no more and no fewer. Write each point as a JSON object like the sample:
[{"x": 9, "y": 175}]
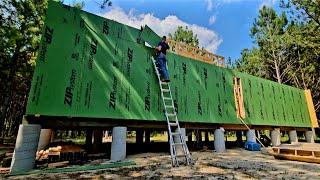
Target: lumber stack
[
  {"x": 72, "y": 154},
  {"x": 304, "y": 152},
  {"x": 4, "y": 170},
  {"x": 5, "y": 158}
]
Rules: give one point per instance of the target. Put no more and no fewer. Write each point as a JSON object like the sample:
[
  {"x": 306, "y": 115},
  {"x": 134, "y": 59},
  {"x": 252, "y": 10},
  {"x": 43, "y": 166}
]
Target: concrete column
[
  {"x": 309, "y": 136},
  {"x": 147, "y": 136},
  {"x": 97, "y": 140},
  {"x": 189, "y": 136},
  {"x": 206, "y": 136},
  {"x": 198, "y": 139},
  {"x": 293, "y": 137},
  {"x": 89, "y": 140},
  {"x": 25, "y": 149},
  {"x": 219, "y": 141},
  {"x": 139, "y": 136},
  {"x": 275, "y": 137},
  {"x": 177, "y": 139},
  {"x": 44, "y": 139},
  {"x": 183, "y": 132},
  {"x": 258, "y": 134},
  {"x": 105, "y": 134},
  {"x": 239, "y": 138},
  {"x": 251, "y": 135},
  {"x": 119, "y": 142},
  {"x": 53, "y": 134}
]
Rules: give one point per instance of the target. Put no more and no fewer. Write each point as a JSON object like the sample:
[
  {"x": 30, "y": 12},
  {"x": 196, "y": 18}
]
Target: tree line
[{"x": 286, "y": 46}]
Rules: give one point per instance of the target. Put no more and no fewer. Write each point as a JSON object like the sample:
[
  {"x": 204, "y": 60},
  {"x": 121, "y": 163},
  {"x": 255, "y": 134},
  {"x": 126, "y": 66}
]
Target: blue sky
[{"x": 222, "y": 25}]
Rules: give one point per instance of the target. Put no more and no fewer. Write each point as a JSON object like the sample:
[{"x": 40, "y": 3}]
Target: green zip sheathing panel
[{"x": 89, "y": 66}]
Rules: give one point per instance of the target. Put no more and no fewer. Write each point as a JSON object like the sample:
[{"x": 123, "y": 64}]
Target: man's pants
[{"x": 162, "y": 64}]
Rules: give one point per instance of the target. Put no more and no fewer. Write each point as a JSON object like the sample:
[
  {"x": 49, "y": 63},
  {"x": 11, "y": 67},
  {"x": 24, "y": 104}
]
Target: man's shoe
[{"x": 167, "y": 80}]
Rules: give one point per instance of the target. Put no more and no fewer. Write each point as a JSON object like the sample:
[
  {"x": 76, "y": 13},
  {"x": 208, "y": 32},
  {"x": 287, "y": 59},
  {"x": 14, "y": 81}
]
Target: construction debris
[
  {"x": 64, "y": 154},
  {"x": 4, "y": 170},
  {"x": 6, "y": 157}
]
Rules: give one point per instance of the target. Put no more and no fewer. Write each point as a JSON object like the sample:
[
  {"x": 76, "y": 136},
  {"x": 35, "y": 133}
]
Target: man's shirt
[{"x": 164, "y": 47}]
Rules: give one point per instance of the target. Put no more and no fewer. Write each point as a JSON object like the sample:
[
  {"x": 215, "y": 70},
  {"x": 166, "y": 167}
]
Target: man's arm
[{"x": 158, "y": 48}]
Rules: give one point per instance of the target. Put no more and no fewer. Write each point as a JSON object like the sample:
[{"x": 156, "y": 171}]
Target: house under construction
[{"x": 96, "y": 72}]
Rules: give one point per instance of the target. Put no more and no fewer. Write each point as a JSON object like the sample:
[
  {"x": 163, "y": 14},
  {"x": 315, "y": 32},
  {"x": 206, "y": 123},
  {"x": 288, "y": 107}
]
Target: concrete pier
[
  {"x": 89, "y": 140},
  {"x": 198, "y": 136},
  {"x": 206, "y": 136},
  {"x": 26, "y": 147},
  {"x": 44, "y": 139},
  {"x": 219, "y": 140},
  {"x": 189, "y": 136},
  {"x": 293, "y": 137},
  {"x": 118, "y": 145},
  {"x": 251, "y": 135},
  {"x": 177, "y": 139},
  {"x": 275, "y": 137},
  {"x": 147, "y": 136},
  {"x": 239, "y": 138},
  {"x": 97, "y": 140},
  {"x": 309, "y": 136},
  {"x": 139, "y": 136}
]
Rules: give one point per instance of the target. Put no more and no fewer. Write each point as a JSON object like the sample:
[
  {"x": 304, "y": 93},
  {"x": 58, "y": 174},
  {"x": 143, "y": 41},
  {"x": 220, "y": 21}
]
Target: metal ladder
[{"x": 173, "y": 123}]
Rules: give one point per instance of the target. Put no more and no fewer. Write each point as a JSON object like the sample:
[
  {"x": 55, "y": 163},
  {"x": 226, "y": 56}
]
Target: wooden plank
[
  {"x": 58, "y": 164},
  {"x": 4, "y": 170},
  {"x": 309, "y": 159},
  {"x": 51, "y": 122},
  {"x": 304, "y": 153},
  {"x": 287, "y": 151},
  {"x": 312, "y": 112},
  {"x": 195, "y": 53}
]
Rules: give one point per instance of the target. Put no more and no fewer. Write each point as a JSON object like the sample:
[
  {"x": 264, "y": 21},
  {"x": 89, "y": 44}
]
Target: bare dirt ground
[{"x": 233, "y": 164}]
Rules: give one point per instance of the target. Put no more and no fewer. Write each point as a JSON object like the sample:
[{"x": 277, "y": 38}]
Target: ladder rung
[
  {"x": 166, "y": 98},
  {"x": 165, "y": 90},
  {"x": 181, "y": 155},
  {"x": 169, "y": 114},
  {"x": 175, "y": 133},
  {"x": 173, "y": 124},
  {"x": 169, "y": 106},
  {"x": 176, "y": 144}
]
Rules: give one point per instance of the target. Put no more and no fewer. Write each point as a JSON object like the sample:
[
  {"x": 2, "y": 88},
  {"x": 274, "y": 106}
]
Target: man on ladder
[
  {"x": 176, "y": 138},
  {"x": 161, "y": 59}
]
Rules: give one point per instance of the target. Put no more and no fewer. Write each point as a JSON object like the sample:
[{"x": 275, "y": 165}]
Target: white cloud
[
  {"x": 268, "y": 3},
  {"x": 212, "y": 20},
  {"x": 209, "y": 5},
  {"x": 207, "y": 38}
]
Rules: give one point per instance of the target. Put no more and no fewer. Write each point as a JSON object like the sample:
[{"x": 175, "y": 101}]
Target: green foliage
[
  {"x": 305, "y": 10},
  {"x": 286, "y": 51},
  {"x": 185, "y": 35},
  {"x": 251, "y": 63},
  {"x": 78, "y": 5},
  {"x": 20, "y": 30}
]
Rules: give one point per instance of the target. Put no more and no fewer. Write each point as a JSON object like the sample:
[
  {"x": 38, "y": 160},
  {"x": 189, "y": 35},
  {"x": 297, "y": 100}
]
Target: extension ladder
[{"x": 173, "y": 123}]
